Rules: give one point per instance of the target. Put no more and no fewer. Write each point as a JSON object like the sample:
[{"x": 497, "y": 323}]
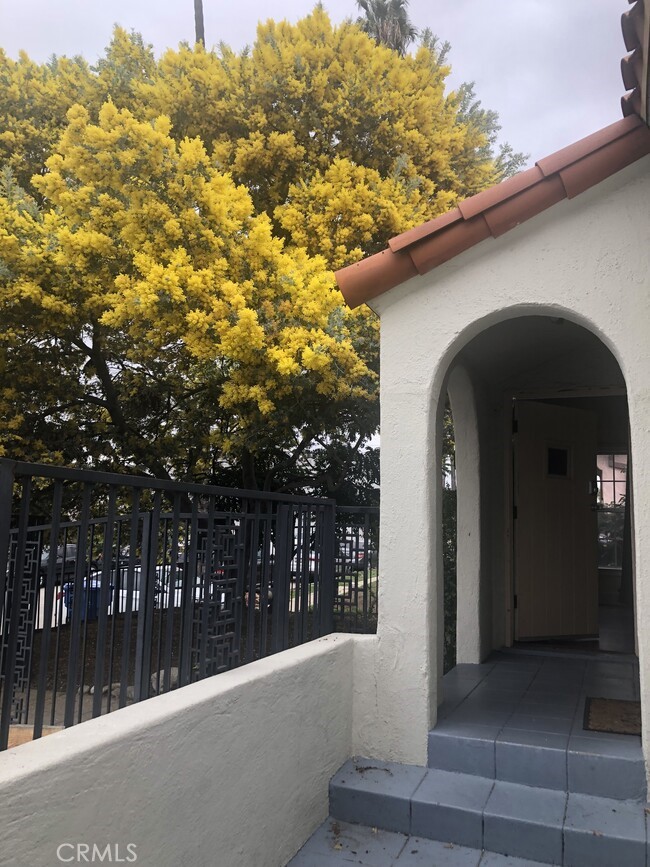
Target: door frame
[{"x": 508, "y": 398}]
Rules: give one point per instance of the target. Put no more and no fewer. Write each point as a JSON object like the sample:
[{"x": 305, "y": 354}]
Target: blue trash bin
[{"x": 90, "y": 607}]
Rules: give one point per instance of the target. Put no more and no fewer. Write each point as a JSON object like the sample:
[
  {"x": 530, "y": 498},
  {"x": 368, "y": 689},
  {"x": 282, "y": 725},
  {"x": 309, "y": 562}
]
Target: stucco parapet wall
[
  {"x": 218, "y": 694},
  {"x": 231, "y": 770},
  {"x": 562, "y": 175}
]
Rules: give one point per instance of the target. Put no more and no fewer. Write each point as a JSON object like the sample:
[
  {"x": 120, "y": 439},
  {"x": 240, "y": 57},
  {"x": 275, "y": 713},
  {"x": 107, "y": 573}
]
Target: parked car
[
  {"x": 66, "y": 563},
  {"x": 91, "y": 598},
  {"x": 166, "y": 593},
  {"x": 351, "y": 559}
]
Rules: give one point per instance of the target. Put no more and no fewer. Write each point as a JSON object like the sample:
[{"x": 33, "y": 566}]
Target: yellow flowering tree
[
  {"x": 375, "y": 209},
  {"x": 180, "y": 318},
  {"x": 167, "y": 233},
  {"x": 313, "y": 104},
  {"x": 34, "y": 99}
]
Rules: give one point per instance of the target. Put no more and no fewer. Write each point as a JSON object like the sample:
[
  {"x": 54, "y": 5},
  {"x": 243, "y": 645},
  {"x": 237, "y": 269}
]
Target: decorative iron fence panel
[
  {"x": 357, "y": 565},
  {"x": 114, "y": 588}
]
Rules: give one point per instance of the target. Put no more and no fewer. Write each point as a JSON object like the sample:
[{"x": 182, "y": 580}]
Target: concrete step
[
  {"x": 574, "y": 761},
  {"x": 483, "y": 813},
  {"x": 343, "y": 843}
]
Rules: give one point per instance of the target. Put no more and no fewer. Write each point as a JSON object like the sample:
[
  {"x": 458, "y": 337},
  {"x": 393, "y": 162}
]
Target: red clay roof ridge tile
[
  {"x": 493, "y": 212},
  {"x": 585, "y": 146},
  {"x": 499, "y": 192},
  {"x": 632, "y": 25},
  {"x": 405, "y": 239},
  {"x": 365, "y": 280},
  {"x": 635, "y": 68}
]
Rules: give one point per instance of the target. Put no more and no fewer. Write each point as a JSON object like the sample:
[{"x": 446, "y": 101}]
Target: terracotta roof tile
[
  {"x": 439, "y": 247},
  {"x": 585, "y": 146},
  {"x": 631, "y": 103},
  {"x": 635, "y": 24},
  {"x": 413, "y": 235},
  {"x": 564, "y": 174},
  {"x": 632, "y": 69},
  {"x": 510, "y": 187},
  {"x": 585, "y": 173},
  {"x": 373, "y": 276},
  {"x": 632, "y": 25},
  {"x": 511, "y": 212}
]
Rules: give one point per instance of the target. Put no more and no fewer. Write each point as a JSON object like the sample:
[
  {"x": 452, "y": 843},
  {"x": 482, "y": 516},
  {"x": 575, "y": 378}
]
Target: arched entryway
[
  {"x": 544, "y": 489},
  {"x": 547, "y": 679}
]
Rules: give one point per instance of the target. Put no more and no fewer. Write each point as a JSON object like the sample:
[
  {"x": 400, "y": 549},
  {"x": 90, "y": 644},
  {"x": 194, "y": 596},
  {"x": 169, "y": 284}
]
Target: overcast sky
[{"x": 550, "y": 68}]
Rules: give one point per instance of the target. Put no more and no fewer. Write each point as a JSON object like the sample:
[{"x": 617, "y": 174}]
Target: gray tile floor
[
  {"x": 340, "y": 843},
  {"x": 518, "y": 699},
  {"x": 520, "y": 717}
]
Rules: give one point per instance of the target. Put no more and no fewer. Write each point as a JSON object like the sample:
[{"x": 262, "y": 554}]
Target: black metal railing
[
  {"x": 114, "y": 588},
  {"x": 357, "y": 564}
]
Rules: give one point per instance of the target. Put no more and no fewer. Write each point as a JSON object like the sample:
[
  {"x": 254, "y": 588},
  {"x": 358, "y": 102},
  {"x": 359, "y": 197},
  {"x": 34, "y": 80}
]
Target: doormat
[{"x": 612, "y": 715}]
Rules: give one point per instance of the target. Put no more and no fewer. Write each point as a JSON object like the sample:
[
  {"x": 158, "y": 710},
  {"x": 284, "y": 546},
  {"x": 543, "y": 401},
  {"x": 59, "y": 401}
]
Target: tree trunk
[
  {"x": 249, "y": 477},
  {"x": 198, "y": 22}
]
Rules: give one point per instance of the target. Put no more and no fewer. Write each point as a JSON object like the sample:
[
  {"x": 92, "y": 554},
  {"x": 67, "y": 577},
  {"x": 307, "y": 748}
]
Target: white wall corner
[{"x": 469, "y": 639}]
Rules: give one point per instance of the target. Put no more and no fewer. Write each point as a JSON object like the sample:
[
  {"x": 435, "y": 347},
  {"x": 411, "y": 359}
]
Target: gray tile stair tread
[
  {"x": 464, "y": 748},
  {"x": 463, "y": 790},
  {"x": 606, "y": 768},
  {"x": 449, "y": 806},
  {"x": 391, "y": 778},
  {"x": 599, "y": 832},
  {"x": 525, "y": 803},
  {"x": 604, "y": 816},
  {"x": 336, "y": 842},
  {"x": 526, "y": 822},
  {"x": 539, "y": 739},
  {"x": 378, "y": 793},
  {"x": 535, "y": 723},
  {"x": 532, "y": 758},
  {"x": 453, "y": 790},
  {"x": 342, "y": 843},
  {"x": 476, "y": 731},
  {"x": 420, "y": 852},
  {"x": 615, "y": 747},
  {"x": 494, "y": 859}
]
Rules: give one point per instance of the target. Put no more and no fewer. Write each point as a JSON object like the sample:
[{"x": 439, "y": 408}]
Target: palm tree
[
  {"x": 388, "y": 23},
  {"x": 199, "y": 27}
]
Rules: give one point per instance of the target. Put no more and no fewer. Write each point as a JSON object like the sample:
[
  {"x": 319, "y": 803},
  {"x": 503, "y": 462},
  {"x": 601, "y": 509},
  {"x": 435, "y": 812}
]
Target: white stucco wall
[
  {"x": 469, "y": 638},
  {"x": 232, "y": 771},
  {"x": 586, "y": 260}
]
